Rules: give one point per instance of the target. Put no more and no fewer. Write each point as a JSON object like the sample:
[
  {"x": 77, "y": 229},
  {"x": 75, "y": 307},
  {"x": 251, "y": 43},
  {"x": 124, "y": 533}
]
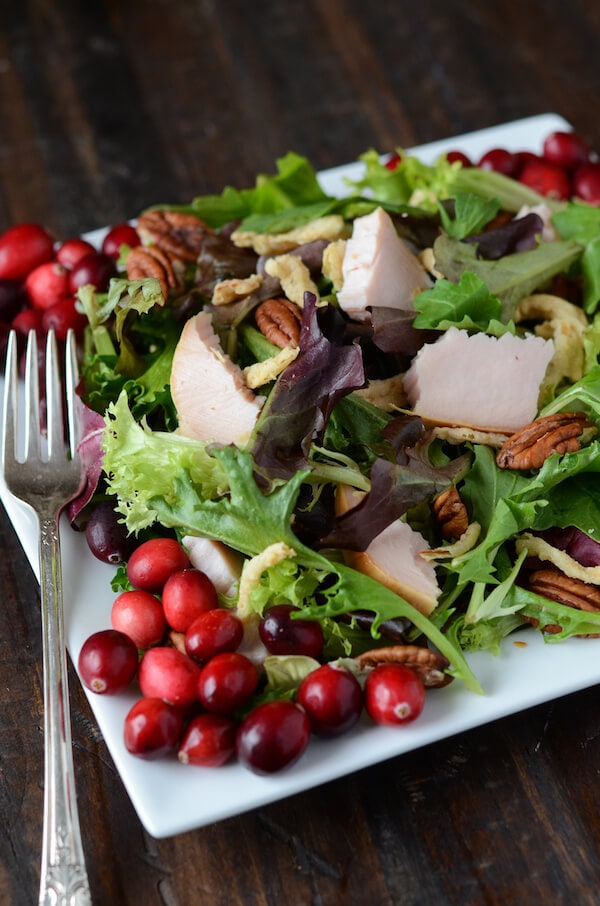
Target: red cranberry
[
  {"x": 546, "y": 179},
  {"x": 95, "y": 269},
  {"x": 586, "y": 183},
  {"x": 394, "y": 694},
  {"x": 119, "y": 235},
  {"x": 332, "y": 698},
  {"x": 70, "y": 252},
  {"x": 107, "y": 537},
  {"x": 107, "y": 662},
  {"x": 393, "y": 161},
  {"x": 500, "y": 160},
  {"x": 213, "y": 632},
  {"x": 272, "y": 736},
  {"x": 566, "y": 149},
  {"x": 152, "y": 728},
  {"x": 169, "y": 674},
  {"x": 47, "y": 284},
  {"x": 209, "y": 741},
  {"x": 282, "y": 633},
  {"x": 27, "y": 320},
  {"x": 186, "y": 594},
  {"x": 453, "y": 156},
  {"x": 227, "y": 682},
  {"x": 139, "y": 615},
  {"x": 12, "y": 299},
  {"x": 22, "y": 248},
  {"x": 151, "y": 564},
  {"x": 63, "y": 317}
]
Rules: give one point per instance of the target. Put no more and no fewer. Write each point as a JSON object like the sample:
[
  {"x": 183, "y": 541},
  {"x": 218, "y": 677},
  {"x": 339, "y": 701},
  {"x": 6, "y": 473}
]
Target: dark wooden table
[{"x": 106, "y": 107}]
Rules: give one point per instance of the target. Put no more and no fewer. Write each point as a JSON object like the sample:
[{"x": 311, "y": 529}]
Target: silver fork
[{"x": 47, "y": 478}]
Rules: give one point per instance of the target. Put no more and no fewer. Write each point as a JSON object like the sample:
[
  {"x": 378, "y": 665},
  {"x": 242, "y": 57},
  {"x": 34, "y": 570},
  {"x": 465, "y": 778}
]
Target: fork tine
[
  {"x": 32, "y": 399},
  {"x": 10, "y": 401},
  {"x": 54, "y": 407},
  {"x": 71, "y": 378}
]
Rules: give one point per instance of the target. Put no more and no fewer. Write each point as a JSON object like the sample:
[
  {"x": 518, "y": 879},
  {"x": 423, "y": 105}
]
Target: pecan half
[
  {"x": 279, "y": 320},
  {"x": 150, "y": 261},
  {"x": 430, "y": 665},
  {"x": 450, "y": 514},
  {"x": 556, "y": 586},
  {"x": 529, "y": 447},
  {"x": 178, "y": 234}
]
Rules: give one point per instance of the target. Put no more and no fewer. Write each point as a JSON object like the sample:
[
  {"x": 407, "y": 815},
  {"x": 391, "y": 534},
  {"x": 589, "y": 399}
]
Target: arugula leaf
[
  {"x": 295, "y": 184},
  {"x": 431, "y": 182},
  {"x": 471, "y": 213},
  {"x": 468, "y": 305},
  {"x": 512, "y": 277}
]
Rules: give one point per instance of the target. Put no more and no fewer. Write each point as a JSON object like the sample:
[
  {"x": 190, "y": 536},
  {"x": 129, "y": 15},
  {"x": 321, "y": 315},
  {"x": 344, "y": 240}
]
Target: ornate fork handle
[{"x": 64, "y": 880}]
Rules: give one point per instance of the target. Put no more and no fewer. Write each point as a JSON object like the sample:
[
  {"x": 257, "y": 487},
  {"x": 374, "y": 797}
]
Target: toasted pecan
[
  {"x": 450, "y": 514},
  {"x": 556, "y": 586},
  {"x": 529, "y": 447},
  {"x": 150, "y": 261},
  {"x": 279, "y": 320},
  {"x": 430, "y": 665},
  {"x": 178, "y": 234}
]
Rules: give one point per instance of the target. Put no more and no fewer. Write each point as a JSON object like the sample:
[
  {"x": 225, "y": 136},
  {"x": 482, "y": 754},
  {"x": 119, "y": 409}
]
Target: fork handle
[{"x": 63, "y": 880}]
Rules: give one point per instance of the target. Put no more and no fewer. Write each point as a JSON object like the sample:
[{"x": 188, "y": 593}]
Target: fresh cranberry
[
  {"x": 139, "y": 615},
  {"x": 500, "y": 161},
  {"x": 106, "y": 535},
  {"x": 453, "y": 156},
  {"x": 524, "y": 158},
  {"x": 566, "y": 149},
  {"x": 151, "y": 564},
  {"x": 393, "y": 161},
  {"x": 152, "y": 728},
  {"x": 332, "y": 698},
  {"x": 209, "y": 741},
  {"x": 71, "y": 251},
  {"x": 47, "y": 284},
  {"x": 272, "y": 736},
  {"x": 94, "y": 268},
  {"x": 27, "y": 320},
  {"x": 394, "y": 694},
  {"x": 282, "y": 633},
  {"x": 12, "y": 299},
  {"x": 63, "y": 317},
  {"x": 22, "y": 248},
  {"x": 186, "y": 594},
  {"x": 586, "y": 183},
  {"x": 226, "y": 682},
  {"x": 546, "y": 179},
  {"x": 119, "y": 235},
  {"x": 169, "y": 674},
  {"x": 107, "y": 662},
  {"x": 213, "y": 632}
]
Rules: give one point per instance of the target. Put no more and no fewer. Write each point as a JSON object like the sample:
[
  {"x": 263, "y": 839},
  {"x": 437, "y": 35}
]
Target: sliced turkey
[
  {"x": 210, "y": 395},
  {"x": 479, "y": 381},
  {"x": 378, "y": 268},
  {"x": 394, "y": 558}
]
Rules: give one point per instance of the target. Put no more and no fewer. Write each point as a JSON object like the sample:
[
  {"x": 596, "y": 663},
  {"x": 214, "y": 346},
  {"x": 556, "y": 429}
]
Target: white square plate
[{"x": 171, "y": 798}]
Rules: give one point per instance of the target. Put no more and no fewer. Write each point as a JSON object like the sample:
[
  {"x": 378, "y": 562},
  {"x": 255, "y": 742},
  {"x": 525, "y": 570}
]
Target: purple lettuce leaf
[
  {"x": 297, "y": 409},
  {"x": 517, "y": 235},
  {"x": 90, "y": 451}
]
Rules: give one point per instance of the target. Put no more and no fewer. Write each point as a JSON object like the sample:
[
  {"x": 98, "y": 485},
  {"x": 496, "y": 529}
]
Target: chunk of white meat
[
  {"x": 394, "y": 559},
  {"x": 378, "y": 268},
  {"x": 478, "y": 381},
  {"x": 210, "y": 395},
  {"x": 220, "y": 563}
]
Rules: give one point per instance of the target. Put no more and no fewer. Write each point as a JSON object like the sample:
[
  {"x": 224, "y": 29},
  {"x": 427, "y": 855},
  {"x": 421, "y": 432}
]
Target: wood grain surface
[{"x": 107, "y": 106}]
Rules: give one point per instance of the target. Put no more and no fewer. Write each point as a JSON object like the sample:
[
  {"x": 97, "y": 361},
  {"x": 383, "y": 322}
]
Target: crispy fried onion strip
[{"x": 537, "y": 547}]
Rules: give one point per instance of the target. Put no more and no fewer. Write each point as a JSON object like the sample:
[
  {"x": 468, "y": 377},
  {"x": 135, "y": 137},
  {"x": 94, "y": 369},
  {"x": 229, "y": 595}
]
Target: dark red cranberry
[
  {"x": 272, "y": 736},
  {"x": 95, "y": 269},
  {"x": 332, "y": 698},
  {"x": 152, "y": 728},
  {"x": 107, "y": 662},
  {"x": 282, "y": 632}
]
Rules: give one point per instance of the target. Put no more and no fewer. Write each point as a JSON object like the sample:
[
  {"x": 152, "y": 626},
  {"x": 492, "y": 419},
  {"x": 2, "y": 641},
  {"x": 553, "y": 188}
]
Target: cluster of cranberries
[
  {"x": 40, "y": 276},
  {"x": 170, "y": 634},
  {"x": 567, "y": 168}
]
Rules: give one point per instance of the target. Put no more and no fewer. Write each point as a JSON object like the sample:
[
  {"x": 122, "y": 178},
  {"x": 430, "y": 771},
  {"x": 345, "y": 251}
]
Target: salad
[{"x": 413, "y": 467}]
